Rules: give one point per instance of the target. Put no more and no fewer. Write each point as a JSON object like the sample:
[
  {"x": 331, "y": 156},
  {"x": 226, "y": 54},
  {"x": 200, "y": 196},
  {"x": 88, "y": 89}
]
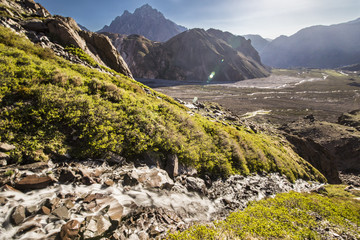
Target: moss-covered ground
[{"x": 334, "y": 212}]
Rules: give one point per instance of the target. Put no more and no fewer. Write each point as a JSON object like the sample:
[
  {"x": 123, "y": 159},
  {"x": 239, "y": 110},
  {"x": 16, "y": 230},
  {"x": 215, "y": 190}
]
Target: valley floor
[{"x": 288, "y": 94}]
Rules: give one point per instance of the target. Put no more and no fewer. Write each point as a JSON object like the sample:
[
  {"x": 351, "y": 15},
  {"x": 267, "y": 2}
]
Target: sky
[{"x": 268, "y": 18}]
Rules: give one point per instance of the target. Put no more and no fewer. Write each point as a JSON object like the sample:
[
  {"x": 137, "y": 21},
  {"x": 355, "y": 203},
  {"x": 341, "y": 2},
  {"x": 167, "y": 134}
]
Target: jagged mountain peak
[{"x": 145, "y": 21}]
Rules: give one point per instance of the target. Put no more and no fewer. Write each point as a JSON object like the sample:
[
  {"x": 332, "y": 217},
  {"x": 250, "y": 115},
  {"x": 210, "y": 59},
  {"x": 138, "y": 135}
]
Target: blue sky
[{"x": 269, "y": 18}]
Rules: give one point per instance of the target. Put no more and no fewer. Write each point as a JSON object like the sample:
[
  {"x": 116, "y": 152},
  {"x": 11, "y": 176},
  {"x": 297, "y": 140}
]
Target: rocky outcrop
[
  {"x": 192, "y": 55},
  {"x": 145, "y": 21},
  {"x": 329, "y": 147},
  {"x": 57, "y": 32}
]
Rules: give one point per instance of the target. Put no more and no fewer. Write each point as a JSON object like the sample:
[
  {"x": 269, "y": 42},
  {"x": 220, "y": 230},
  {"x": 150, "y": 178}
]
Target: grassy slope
[
  {"x": 49, "y": 107},
  {"x": 287, "y": 216}
]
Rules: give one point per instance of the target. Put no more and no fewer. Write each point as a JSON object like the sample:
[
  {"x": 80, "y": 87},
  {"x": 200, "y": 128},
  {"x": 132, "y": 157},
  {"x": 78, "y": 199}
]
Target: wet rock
[
  {"x": 5, "y": 147},
  {"x": 91, "y": 197},
  {"x": 28, "y": 226},
  {"x": 195, "y": 184},
  {"x": 2, "y": 201},
  {"x": 153, "y": 178},
  {"x": 69, "y": 204},
  {"x": 67, "y": 176},
  {"x": 109, "y": 182},
  {"x": 128, "y": 180},
  {"x": 95, "y": 226},
  {"x": 34, "y": 182},
  {"x": 61, "y": 212},
  {"x": 172, "y": 165},
  {"x": 115, "y": 209},
  {"x": 18, "y": 215},
  {"x": 31, "y": 210},
  {"x": 70, "y": 230},
  {"x": 52, "y": 203},
  {"x": 34, "y": 167},
  {"x": 45, "y": 210}
]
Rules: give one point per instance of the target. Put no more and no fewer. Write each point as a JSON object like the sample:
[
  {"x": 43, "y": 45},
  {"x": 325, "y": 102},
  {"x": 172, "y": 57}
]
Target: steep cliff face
[
  {"x": 23, "y": 16},
  {"x": 144, "y": 21},
  {"x": 192, "y": 55}
]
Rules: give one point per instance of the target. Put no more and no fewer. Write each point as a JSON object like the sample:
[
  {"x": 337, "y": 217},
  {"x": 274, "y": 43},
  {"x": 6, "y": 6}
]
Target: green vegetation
[
  {"x": 287, "y": 216},
  {"x": 82, "y": 55},
  {"x": 50, "y": 107}
]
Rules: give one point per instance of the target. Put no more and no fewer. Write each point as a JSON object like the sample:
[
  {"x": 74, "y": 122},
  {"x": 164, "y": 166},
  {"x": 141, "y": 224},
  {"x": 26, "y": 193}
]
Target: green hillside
[{"x": 50, "y": 107}]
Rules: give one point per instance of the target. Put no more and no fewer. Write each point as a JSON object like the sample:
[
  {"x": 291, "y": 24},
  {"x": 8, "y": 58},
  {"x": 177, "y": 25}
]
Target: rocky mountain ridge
[
  {"x": 145, "y": 21},
  {"x": 57, "y": 32},
  {"x": 316, "y": 47},
  {"x": 196, "y": 54}
]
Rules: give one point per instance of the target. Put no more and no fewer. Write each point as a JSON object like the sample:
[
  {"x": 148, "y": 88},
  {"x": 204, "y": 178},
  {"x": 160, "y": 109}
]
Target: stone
[
  {"x": 18, "y": 215},
  {"x": 109, "y": 182},
  {"x": 61, "y": 212},
  {"x": 3, "y": 162},
  {"x": 70, "y": 230},
  {"x": 195, "y": 184},
  {"x": 153, "y": 178},
  {"x": 92, "y": 197},
  {"x": 6, "y": 147},
  {"x": 115, "y": 209},
  {"x": 34, "y": 182},
  {"x": 4, "y": 158},
  {"x": 69, "y": 204},
  {"x": 52, "y": 203},
  {"x": 2, "y": 201},
  {"x": 128, "y": 180},
  {"x": 66, "y": 176},
  {"x": 45, "y": 210},
  {"x": 95, "y": 226},
  {"x": 172, "y": 165},
  {"x": 31, "y": 210}
]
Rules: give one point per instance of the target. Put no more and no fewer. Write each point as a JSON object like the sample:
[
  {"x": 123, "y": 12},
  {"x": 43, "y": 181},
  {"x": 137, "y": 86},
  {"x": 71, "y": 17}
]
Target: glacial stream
[{"x": 184, "y": 200}]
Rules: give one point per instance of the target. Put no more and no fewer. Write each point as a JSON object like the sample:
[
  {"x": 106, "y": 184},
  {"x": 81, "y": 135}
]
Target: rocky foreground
[{"x": 95, "y": 199}]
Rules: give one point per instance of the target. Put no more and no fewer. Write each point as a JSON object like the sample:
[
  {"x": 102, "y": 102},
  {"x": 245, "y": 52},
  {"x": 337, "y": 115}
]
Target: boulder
[
  {"x": 195, "y": 184},
  {"x": 153, "y": 178},
  {"x": 6, "y": 147},
  {"x": 61, "y": 212},
  {"x": 18, "y": 215},
  {"x": 70, "y": 230},
  {"x": 34, "y": 182}
]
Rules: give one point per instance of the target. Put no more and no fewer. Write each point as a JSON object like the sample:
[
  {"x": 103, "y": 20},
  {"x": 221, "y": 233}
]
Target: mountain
[
  {"x": 258, "y": 42},
  {"x": 145, "y": 21},
  {"x": 196, "y": 54},
  {"x": 83, "y": 27},
  {"x": 316, "y": 47}
]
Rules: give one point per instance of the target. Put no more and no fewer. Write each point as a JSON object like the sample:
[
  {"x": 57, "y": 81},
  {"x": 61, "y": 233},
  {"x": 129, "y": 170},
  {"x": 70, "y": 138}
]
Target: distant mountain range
[
  {"x": 316, "y": 47},
  {"x": 195, "y": 54},
  {"x": 145, "y": 21}
]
